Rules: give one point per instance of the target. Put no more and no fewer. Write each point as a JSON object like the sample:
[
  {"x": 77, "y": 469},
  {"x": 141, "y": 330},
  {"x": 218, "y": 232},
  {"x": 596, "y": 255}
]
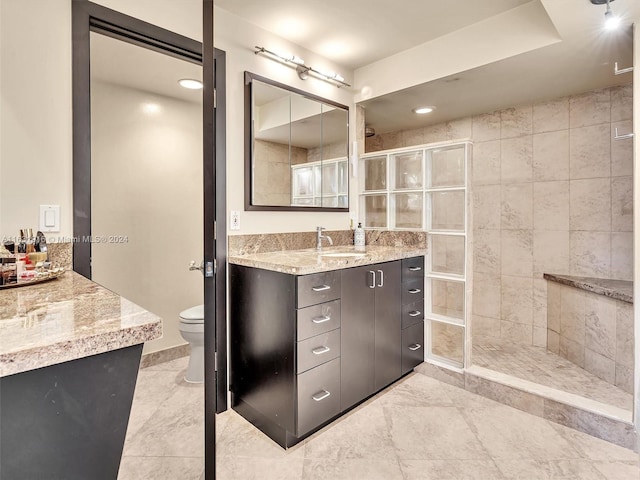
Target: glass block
[
  {"x": 307, "y": 201},
  {"x": 446, "y": 211},
  {"x": 343, "y": 177},
  {"x": 407, "y": 210},
  {"x": 447, "y": 298},
  {"x": 317, "y": 180},
  {"x": 375, "y": 211},
  {"x": 446, "y": 167},
  {"x": 329, "y": 179},
  {"x": 375, "y": 173},
  {"x": 343, "y": 201},
  {"x": 302, "y": 181},
  {"x": 330, "y": 201},
  {"x": 407, "y": 168},
  {"x": 447, "y": 254},
  {"x": 447, "y": 341}
]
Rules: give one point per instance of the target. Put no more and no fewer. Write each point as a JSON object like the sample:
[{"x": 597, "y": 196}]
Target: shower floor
[{"x": 538, "y": 365}]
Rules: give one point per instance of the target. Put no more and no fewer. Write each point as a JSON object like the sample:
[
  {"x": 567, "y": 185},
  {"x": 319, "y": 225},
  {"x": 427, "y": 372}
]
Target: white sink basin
[{"x": 343, "y": 254}]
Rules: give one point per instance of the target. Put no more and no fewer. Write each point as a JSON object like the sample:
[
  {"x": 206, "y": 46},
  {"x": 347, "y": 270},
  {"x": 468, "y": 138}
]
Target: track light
[{"x": 302, "y": 69}]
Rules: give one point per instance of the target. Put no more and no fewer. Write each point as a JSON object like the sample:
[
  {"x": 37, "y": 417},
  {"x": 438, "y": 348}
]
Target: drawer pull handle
[
  {"x": 320, "y": 350},
  {"x": 321, "y": 395},
  {"x": 373, "y": 279},
  {"x": 415, "y": 313},
  {"x": 381, "y": 284},
  {"x": 322, "y": 319},
  {"x": 415, "y": 269},
  {"x": 321, "y": 288},
  {"x": 414, "y": 347},
  {"x": 414, "y": 290}
]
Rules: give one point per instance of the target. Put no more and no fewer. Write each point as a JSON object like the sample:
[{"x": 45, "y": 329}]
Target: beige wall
[
  {"x": 145, "y": 169},
  {"x": 552, "y": 192}
]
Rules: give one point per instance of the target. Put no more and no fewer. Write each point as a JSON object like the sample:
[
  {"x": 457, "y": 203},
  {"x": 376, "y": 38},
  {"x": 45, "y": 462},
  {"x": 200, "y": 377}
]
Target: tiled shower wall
[{"x": 551, "y": 192}]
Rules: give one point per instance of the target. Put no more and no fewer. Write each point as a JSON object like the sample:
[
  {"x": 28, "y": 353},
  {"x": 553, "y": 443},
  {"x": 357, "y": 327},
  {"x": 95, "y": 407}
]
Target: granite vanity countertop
[
  {"x": 618, "y": 289},
  {"x": 66, "y": 319},
  {"x": 303, "y": 262}
]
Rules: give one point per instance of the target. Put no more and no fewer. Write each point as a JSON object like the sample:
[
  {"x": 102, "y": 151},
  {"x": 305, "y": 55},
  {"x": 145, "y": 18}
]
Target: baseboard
[{"x": 161, "y": 356}]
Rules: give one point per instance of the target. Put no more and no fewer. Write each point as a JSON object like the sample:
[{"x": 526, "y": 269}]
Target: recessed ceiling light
[
  {"x": 423, "y": 110},
  {"x": 190, "y": 83}
]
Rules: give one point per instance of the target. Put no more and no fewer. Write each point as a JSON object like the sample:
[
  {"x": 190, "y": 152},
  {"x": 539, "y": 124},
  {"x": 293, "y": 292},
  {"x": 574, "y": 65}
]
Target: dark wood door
[{"x": 388, "y": 315}]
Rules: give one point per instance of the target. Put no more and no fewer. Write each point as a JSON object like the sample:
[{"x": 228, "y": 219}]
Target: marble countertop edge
[
  {"x": 617, "y": 289},
  {"x": 304, "y": 262}
]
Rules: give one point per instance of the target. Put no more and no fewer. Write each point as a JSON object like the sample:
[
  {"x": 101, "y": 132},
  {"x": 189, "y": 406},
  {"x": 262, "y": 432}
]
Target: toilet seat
[{"x": 192, "y": 315}]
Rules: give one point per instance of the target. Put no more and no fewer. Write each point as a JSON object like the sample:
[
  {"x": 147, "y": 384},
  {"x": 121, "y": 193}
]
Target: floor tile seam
[
  {"x": 394, "y": 446},
  {"x": 474, "y": 430},
  {"x": 164, "y": 456}
]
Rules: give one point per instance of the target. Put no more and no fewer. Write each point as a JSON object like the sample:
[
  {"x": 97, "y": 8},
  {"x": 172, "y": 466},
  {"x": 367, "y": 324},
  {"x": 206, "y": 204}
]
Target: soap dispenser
[{"x": 358, "y": 237}]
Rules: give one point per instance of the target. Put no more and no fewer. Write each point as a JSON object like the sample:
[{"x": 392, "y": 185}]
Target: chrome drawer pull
[
  {"x": 414, "y": 347},
  {"x": 321, "y": 395},
  {"x": 415, "y": 290},
  {"x": 322, "y": 319},
  {"x": 415, "y": 313},
  {"x": 415, "y": 269},
  {"x": 320, "y": 350},
  {"x": 321, "y": 288},
  {"x": 381, "y": 284},
  {"x": 373, "y": 279}
]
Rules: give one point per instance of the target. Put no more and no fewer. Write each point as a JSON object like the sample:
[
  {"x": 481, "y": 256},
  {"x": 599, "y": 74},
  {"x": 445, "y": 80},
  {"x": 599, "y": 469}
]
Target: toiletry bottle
[
  {"x": 22, "y": 244},
  {"x": 358, "y": 237},
  {"x": 30, "y": 248}
]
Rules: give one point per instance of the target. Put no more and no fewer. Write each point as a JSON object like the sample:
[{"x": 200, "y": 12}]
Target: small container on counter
[{"x": 8, "y": 271}]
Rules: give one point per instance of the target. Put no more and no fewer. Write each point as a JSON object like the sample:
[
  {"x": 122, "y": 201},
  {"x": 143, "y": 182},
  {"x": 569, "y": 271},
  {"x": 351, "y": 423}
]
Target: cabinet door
[
  {"x": 388, "y": 315},
  {"x": 357, "y": 335}
]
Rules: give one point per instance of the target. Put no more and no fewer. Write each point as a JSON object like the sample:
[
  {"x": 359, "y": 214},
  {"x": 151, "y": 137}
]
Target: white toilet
[{"x": 192, "y": 330}]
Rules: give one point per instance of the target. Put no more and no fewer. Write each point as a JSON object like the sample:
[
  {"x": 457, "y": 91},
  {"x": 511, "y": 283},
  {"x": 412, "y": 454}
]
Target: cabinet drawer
[
  {"x": 319, "y": 349},
  {"x": 412, "y": 313},
  {"x": 318, "y": 288},
  {"x": 318, "y": 396},
  {"x": 318, "y": 319},
  {"x": 412, "y": 268},
  {"x": 412, "y": 347},
  {"x": 413, "y": 291}
]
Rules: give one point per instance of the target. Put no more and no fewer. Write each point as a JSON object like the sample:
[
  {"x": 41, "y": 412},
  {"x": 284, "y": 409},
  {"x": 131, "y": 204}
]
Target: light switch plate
[{"x": 49, "y": 218}]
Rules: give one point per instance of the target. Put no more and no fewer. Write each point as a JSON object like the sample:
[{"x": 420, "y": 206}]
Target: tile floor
[
  {"x": 537, "y": 364},
  {"x": 419, "y": 428}
]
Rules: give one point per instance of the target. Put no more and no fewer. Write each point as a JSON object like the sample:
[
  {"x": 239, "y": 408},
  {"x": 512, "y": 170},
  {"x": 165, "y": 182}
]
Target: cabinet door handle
[
  {"x": 321, "y": 288},
  {"x": 322, "y": 319},
  {"x": 415, "y": 313},
  {"x": 321, "y": 395},
  {"x": 381, "y": 284},
  {"x": 414, "y": 347},
  {"x": 415, "y": 269},
  {"x": 373, "y": 279},
  {"x": 414, "y": 290},
  {"x": 320, "y": 350}
]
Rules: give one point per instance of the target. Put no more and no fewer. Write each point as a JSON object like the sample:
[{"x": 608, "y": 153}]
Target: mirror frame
[{"x": 248, "y": 145}]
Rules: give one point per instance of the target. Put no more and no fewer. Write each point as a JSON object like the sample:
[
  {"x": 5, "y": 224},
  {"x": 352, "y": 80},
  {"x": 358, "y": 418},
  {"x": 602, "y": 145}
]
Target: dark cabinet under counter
[{"x": 307, "y": 348}]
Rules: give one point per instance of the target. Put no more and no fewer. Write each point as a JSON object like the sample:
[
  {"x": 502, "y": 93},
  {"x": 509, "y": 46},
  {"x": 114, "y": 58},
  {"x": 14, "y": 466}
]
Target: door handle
[
  {"x": 415, "y": 313},
  {"x": 373, "y": 279},
  {"x": 321, "y": 395},
  {"x": 381, "y": 284},
  {"x": 320, "y": 350},
  {"x": 322, "y": 319},
  {"x": 321, "y": 288},
  {"x": 414, "y": 290},
  {"x": 414, "y": 347},
  {"x": 415, "y": 269}
]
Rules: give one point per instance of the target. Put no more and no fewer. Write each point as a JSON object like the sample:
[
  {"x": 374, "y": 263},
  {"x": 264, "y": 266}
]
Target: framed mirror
[{"x": 296, "y": 149}]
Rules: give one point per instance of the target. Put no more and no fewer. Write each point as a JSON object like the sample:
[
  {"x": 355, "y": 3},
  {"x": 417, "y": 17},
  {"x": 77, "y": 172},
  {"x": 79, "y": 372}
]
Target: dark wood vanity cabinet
[
  {"x": 306, "y": 348},
  {"x": 371, "y": 331},
  {"x": 412, "y": 313}
]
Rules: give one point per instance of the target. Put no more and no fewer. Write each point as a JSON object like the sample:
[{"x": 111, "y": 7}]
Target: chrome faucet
[{"x": 319, "y": 238}]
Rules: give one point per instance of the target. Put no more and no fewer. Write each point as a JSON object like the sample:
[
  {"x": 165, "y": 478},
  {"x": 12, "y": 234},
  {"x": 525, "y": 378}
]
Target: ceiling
[{"x": 356, "y": 33}]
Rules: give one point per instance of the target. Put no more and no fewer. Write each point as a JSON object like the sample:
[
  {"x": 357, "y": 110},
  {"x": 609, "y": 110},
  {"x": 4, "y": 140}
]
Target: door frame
[{"x": 88, "y": 17}]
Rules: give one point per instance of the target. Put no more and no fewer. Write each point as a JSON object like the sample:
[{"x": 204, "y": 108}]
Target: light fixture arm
[{"x": 302, "y": 69}]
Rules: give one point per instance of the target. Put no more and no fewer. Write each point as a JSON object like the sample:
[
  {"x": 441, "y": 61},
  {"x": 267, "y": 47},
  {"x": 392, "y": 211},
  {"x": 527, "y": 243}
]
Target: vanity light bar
[{"x": 302, "y": 69}]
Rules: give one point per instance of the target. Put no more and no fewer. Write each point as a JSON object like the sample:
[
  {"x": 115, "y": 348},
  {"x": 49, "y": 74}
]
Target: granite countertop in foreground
[
  {"x": 618, "y": 289},
  {"x": 303, "y": 262},
  {"x": 66, "y": 319}
]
